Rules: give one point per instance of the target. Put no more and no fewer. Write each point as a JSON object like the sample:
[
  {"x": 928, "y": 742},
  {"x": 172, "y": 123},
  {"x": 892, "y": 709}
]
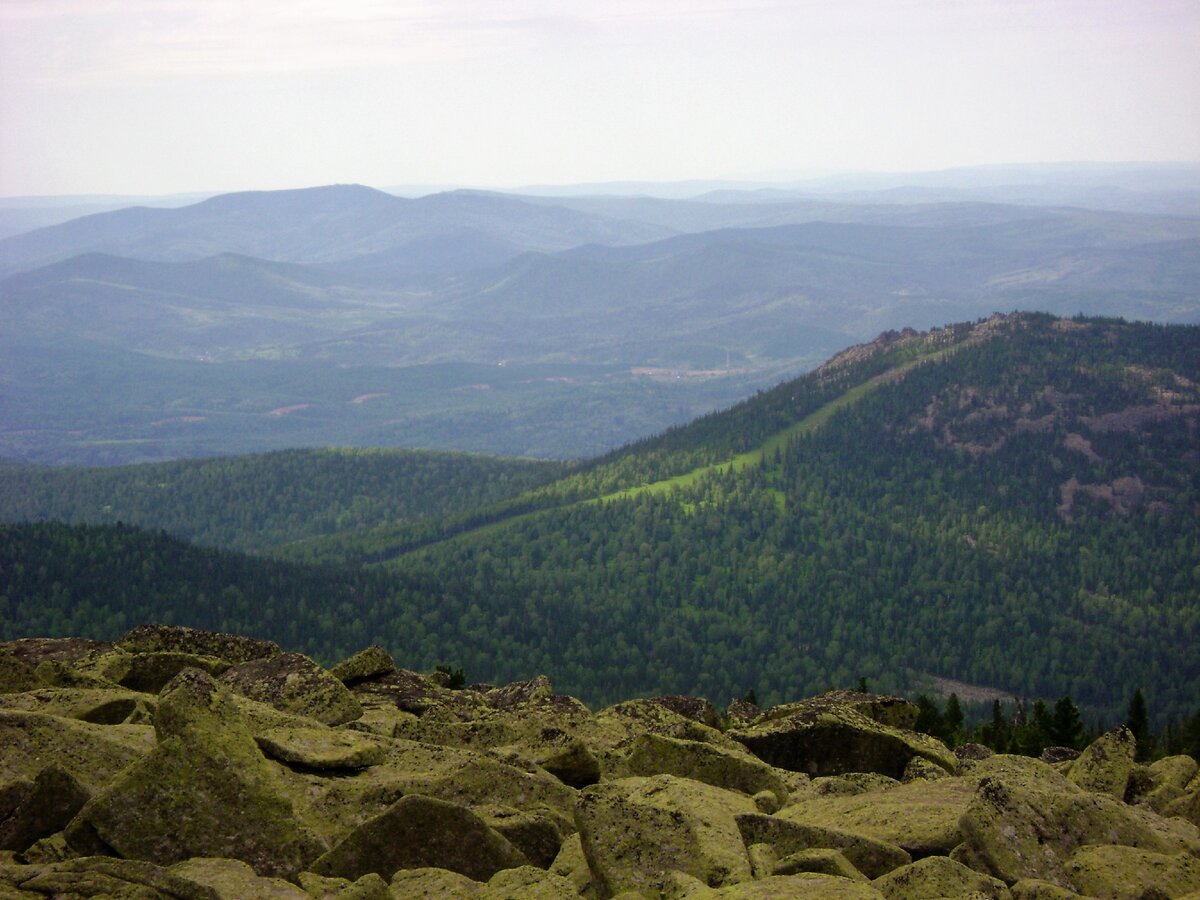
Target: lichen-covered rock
[
  {"x": 921, "y": 769},
  {"x": 572, "y": 865},
  {"x": 1055, "y": 755},
  {"x": 369, "y": 887},
  {"x": 231, "y": 879},
  {"x": 802, "y": 884},
  {"x": 698, "y": 709},
  {"x": 635, "y": 829},
  {"x": 233, "y": 648},
  {"x": 102, "y": 876},
  {"x": 321, "y": 749},
  {"x": 938, "y": 876},
  {"x": 742, "y": 712},
  {"x": 656, "y": 754},
  {"x": 92, "y": 754},
  {"x": 433, "y": 884},
  {"x": 34, "y": 651},
  {"x": 204, "y": 790},
  {"x": 100, "y": 706},
  {"x": 895, "y": 712},
  {"x": 829, "y": 739},
  {"x": 1186, "y": 807},
  {"x": 971, "y": 752},
  {"x": 852, "y": 783},
  {"x": 419, "y": 832},
  {"x": 1168, "y": 780},
  {"x": 538, "y": 835},
  {"x": 867, "y": 854},
  {"x": 150, "y": 672},
  {"x": 369, "y": 663},
  {"x": 1127, "y": 872},
  {"x": 820, "y": 860},
  {"x": 50, "y": 802},
  {"x": 526, "y": 883},
  {"x": 1027, "y": 832},
  {"x": 1036, "y": 889},
  {"x": 294, "y": 683},
  {"x": 1106, "y": 763}
]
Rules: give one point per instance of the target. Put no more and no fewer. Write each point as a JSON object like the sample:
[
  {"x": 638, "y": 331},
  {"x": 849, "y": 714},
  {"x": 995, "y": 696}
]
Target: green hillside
[{"x": 1013, "y": 504}]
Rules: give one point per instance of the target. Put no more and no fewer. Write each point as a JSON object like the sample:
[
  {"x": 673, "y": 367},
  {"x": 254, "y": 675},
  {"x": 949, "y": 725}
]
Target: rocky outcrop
[{"x": 256, "y": 773}]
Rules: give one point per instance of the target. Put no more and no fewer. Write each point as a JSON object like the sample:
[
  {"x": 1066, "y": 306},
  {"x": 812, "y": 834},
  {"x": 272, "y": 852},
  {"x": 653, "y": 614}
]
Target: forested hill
[{"x": 1014, "y": 504}]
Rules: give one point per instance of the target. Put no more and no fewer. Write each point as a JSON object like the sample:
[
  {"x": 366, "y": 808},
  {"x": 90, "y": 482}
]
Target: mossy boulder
[
  {"x": 805, "y": 884},
  {"x": 1036, "y": 889},
  {"x": 418, "y": 832},
  {"x": 321, "y": 749},
  {"x": 635, "y": 829},
  {"x": 1128, "y": 872},
  {"x": 895, "y": 712},
  {"x": 656, "y": 754},
  {"x": 231, "y": 879},
  {"x": 526, "y": 883},
  {"x": 538, "y": 835},
  {"x": 92, "y": 754},
  {"x": 204, "y": 790},
  {"x": 821, "y": 860},
  {"x": 867, "y": 854},
  {"x": 829, "y": 739},
  {"x": 1025, "y": 832},
  {"x": 698, "y": 709},
  {"x": 16, "y": 676},
  {"x": 233, "y": 648},
  {"x": 1168, "y": 780},
  {"x": 293, "y": 683},
  {"x": 369, "y": 663},
  {"x": 102, "y": 876},
  {"x": 150, "y": 672},
  {"x": 431, "y": 883},
  {"x": 100, "y": 706},
  {"x": 939, "y": 876},
  {"x": 1186, "y": 807},
  {"x": 49, "y": 803},
  {"x": 1106, "y": 763}
]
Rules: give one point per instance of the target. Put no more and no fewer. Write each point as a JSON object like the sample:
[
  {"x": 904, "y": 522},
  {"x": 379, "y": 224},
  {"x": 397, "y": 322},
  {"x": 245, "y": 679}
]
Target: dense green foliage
[
  {"x": 259, "y": 503},
  {"x": 1013, "y": 505}
]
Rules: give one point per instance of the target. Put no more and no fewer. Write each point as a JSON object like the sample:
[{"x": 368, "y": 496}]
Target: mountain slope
[{"x": 323, "y": 224}]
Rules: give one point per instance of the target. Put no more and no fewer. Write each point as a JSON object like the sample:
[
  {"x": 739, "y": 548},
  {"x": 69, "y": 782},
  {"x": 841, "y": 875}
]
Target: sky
[{"x": 150, "y": 97}]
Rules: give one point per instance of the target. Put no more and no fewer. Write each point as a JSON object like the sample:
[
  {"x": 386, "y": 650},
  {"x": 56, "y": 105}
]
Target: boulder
[
  {"x": 697, "y": 709},
  {"x": 895, "y": 712},
  {"x": 150, "y": 672},
  {"x": 100, "y": 706},
  {"x": 1017, "y": 832},
  {"x": 1186, "y": 807},
  {"x": 656, "y": 754},
  {"x": 1036, "y": 889},
  {"x": 369, "y": 887},
  {"x": 231, "y": 879},
  {"x": 433, "y": 884},
  {"x": 102, "y": 876},
  {"x": 868, "y": 855},
  {"x": 232, "y": 648},
  {"x": 939, "y": 876},
  {"x": 1106, "y": 763},
  {"x": 821, "y": 860},
  {"x": 526, "y": 883},
  {"x": 1115, "y": 871},
  {"x": 294, "y": 683},
  {"x": 572, "y": 865},
  {"x": 369, "y": 663},
  {"x": 829, "y": 739},
  {"x": 321, "y": 749},
  {"x": 805, "y": 884},
  {"x": 48, "y": 804},
  {"x": 635, "y": 829},
  {"x": 611, "y": 734},
  {"x": 419, "y": 832},
  {"x": 538, "y": 835},
  {"x": 204, "y": 790},
  {"x": 742, "y": 712},
  {"x": 852, "y": 783},
  {"x": 1166, "y": 780},
  {"x": 16, "y": 676},
  {"x": 92, "y": 754}
]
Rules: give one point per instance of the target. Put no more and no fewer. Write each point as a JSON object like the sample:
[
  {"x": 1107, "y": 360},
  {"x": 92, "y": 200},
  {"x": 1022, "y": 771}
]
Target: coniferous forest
[{"x": 1012, "y": 505}]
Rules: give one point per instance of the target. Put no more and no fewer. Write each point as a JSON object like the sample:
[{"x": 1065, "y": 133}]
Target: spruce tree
[{"x": 1137, "y": 720}]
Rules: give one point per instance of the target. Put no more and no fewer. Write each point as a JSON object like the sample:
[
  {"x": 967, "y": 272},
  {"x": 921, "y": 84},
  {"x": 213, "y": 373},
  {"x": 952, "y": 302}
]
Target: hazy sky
[{"x": 159, "y": 96}]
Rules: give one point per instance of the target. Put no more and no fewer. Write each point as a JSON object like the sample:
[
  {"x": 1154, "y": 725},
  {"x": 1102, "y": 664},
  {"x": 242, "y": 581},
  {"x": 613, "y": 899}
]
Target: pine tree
[
  {"x": 1137, "y": 720},
  {"x": 1066, "y": 729}
]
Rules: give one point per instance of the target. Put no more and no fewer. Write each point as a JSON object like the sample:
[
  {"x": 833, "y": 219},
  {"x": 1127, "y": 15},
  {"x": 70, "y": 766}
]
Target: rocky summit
[{"x": 177, "y": 763}]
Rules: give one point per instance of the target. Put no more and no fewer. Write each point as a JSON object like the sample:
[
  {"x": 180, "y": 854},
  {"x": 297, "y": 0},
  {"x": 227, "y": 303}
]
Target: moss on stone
[
  {"x": 293, "y": 683},
  {"x": 417, "y": 832},
  {"x": 1105, "y": 764},
  {"x": 232, "y": 648},
  {"x": 321, "y": 749},
  {"x": 231, "y": 879},
  {"x": 92, "y": 754},
  {"x": 431, "y": 883},
  {"x": 1115, "y": 871},
  {"x": 655, "y": 754},
  {"x": 867, "y": 854},
  {"x": 938, "y": 876},
  {"x": 369, "y": 663}
]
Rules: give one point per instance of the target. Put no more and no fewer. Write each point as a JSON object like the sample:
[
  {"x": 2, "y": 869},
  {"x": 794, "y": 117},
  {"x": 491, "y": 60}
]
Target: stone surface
[
  {"x": 829, "y": 739},
  {"x": 231, "y": 879},
  {"x": 938, "y": 876},
  {"x": 634, "y": 829},
  {"x": 1114, "y": 871},
  {"x": 369, "y": 663},
  {"x": 419, "y": 832},
  {"x": 47, "y": 806},
  {"x": 821, "y": 860},
  {"x": 101, "y": 876},
  {"x": 526, "y": 883},
  {"x": 92, "y": 754},
  {"x": 433, "y": 884},
  {"x": 294, "y": 683},
  {"x": 204, "y": 790},
  {"x": 1105, "y": 764},
  {"x": 100, "y": 706},
  {"x": 539, "y": 836},
  {"x": 867, "y": 854},
  {"x": 1168, "y": 780},
  {"x": 233, "y": 648},
  {"x": 655, "y": 754},
  {"x": 150, "y": 672},
  {"x": 321, "y": 749}
]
